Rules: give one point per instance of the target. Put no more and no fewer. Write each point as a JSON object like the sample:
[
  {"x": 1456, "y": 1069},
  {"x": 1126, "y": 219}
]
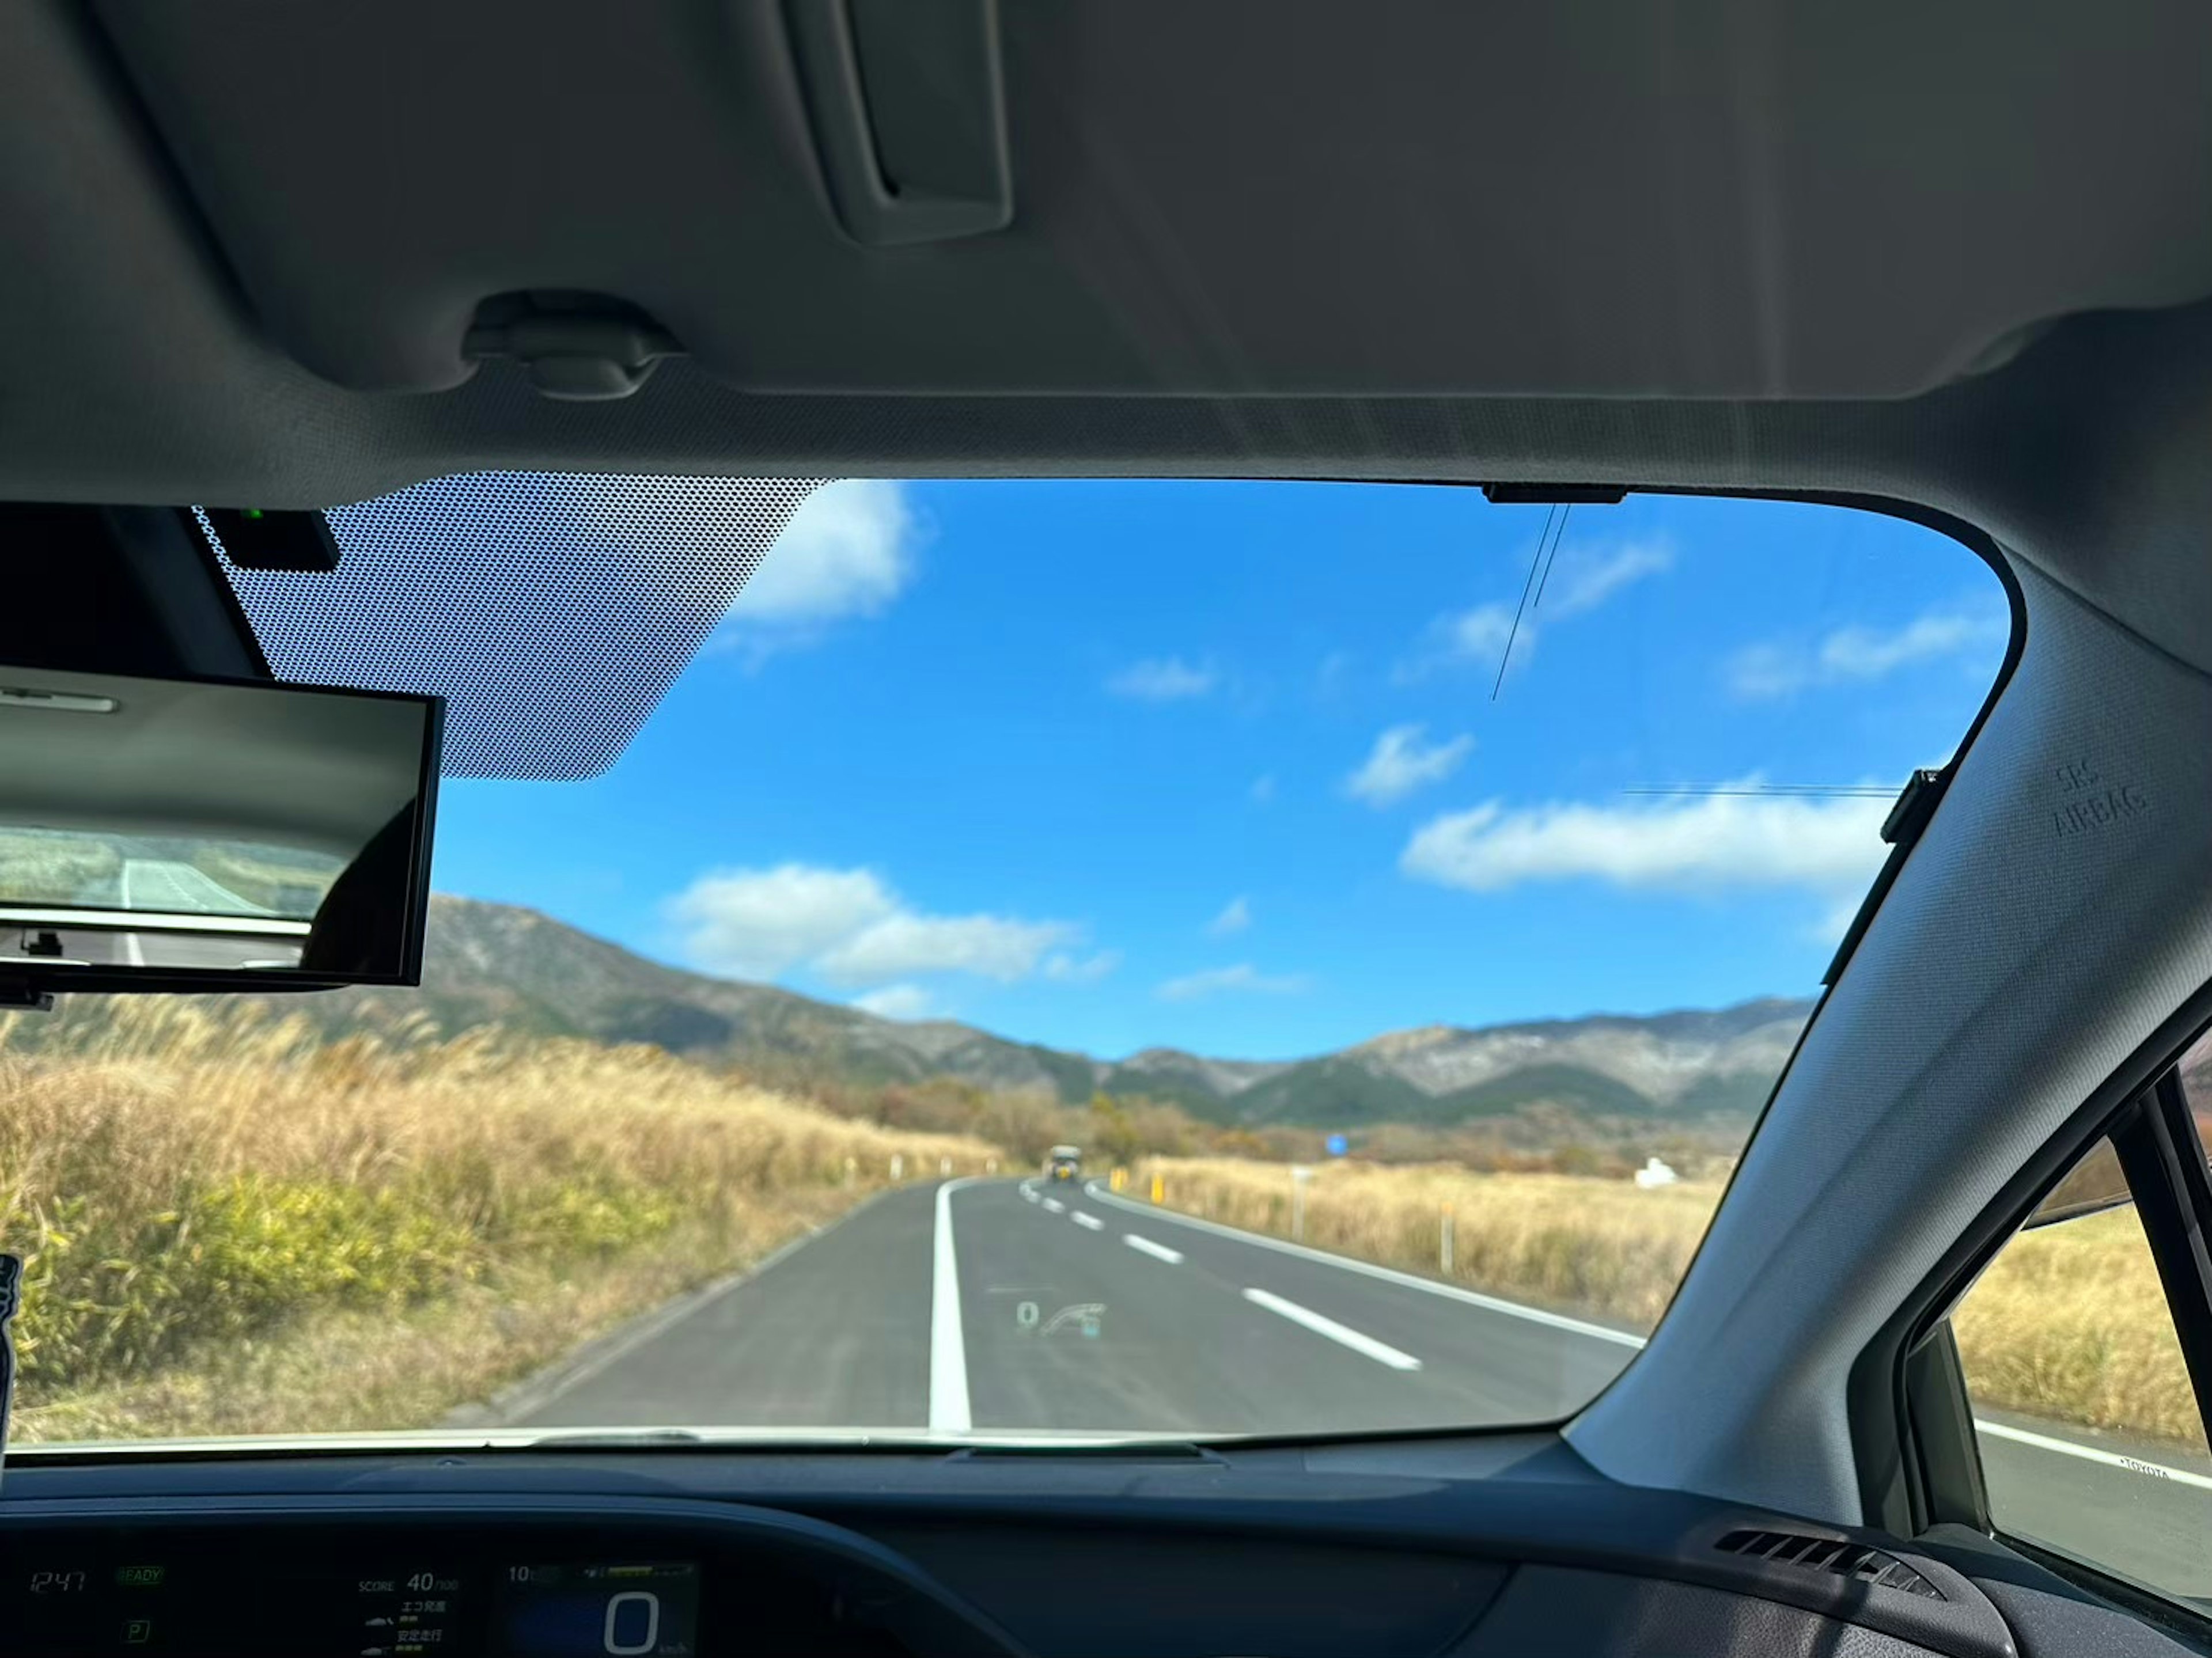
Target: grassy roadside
[
  {"x": 230, "y": 1225},
  {"x": 452, "y": 1350},
  {"x": 1572, "y": 1242},
  {"x": 2069, "y": 1324}
]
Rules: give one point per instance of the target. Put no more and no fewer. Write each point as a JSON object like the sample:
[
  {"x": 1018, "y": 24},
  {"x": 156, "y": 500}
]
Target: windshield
[{"x": 1123, "y": 959}]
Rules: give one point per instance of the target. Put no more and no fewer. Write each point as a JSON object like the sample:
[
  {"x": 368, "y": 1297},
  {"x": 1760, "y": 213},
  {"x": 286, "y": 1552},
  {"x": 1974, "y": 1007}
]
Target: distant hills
[{"x": 498, "y": 965}]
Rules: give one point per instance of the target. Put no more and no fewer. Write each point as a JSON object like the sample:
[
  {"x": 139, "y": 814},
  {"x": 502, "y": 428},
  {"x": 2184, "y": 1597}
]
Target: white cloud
[
  {"x": 1777, "y": 669},
  {"x": 1163, "y": 679},
  {"x": 898, "y": 1002},
  {"x": 848, "y": 552},
  {"x": 1401, "y": 762},
  {"x": 1235, "y": 918},
  {"x": 1479, "y": 635},
  {"x": 989, "y": 946},
  {"x": 757, "y": 923},
  {"x": 1064, "y": 967},
  {"x": 1244, "y": 978},
  {"x": 1263, "y": 789},
  {"x": 850, "y": 927},
  {"x": 1472, "y": 639},
  {"x": 1584, "y": 575},
  {"x": 1587, "y": 574},
  {"x": 1710, "y": 843}
]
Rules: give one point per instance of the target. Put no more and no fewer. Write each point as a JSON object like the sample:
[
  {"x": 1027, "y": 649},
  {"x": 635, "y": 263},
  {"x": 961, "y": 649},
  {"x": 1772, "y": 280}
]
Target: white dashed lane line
[
  {"x": 1343, "y": 1334},
  {"x": 1092, "y": 1221},
  {"x": 1367, "y": 1269},
  {"x": 1056, "y": 1206},
  {"x": 1157, "y": 1251}
]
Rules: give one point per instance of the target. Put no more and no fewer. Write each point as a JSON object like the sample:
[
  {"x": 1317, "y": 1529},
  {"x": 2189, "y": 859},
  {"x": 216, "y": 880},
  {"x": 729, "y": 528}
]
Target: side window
[{"x": 2092, "y": 1441}]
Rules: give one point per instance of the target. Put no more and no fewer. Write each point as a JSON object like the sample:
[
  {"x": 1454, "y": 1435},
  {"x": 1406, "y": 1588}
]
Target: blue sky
[{"x": 1216, "y": 766}]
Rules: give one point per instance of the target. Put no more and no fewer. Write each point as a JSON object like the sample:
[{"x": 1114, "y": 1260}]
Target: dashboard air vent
[{"x": 1832, "y": 1555}]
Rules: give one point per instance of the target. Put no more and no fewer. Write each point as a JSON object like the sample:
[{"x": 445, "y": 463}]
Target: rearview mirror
[{"x": 166, "y": 835}]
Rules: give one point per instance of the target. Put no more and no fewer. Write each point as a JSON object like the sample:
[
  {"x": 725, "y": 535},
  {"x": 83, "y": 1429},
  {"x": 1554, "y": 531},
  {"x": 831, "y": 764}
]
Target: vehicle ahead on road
[
  {"x": 1063, "y": 1163},
  {"x": 1152, "y": 577}
]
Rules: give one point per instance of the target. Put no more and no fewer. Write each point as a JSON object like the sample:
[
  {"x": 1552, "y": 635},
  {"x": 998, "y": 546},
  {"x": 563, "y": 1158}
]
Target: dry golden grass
[
  {"x": 1601, "y": 1247},
  {"x": 457, "y": 1349},
  {"x": 227, "y": 1200},
  {"x": 2069, "y": 1324},
  {"x": 45, "y": 866}
]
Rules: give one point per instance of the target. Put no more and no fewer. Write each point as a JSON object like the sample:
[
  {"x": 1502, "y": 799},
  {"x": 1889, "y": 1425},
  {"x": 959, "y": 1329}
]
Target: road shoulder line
[{"x": 2093, "y": 1454}]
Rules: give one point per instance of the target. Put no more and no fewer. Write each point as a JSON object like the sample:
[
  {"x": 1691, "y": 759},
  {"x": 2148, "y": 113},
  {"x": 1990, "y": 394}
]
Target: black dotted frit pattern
[{"x": 551, "y": 609}]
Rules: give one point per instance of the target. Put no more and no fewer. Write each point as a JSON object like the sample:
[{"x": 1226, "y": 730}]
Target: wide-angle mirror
[{"x": 178, "y": 835}]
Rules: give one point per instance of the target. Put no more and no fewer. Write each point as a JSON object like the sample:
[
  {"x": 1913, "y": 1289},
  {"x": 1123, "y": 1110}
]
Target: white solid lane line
[
  {"x": 1056, "y": 1206},
  {"x": 2093, "y": 1454},
  {"x": 1090, "y": 1221},
  {"x": 1380, "y": 1352},
  {"x": 1157, "y": 1251},
  {"x": 948, "y": 1345},
  {"x": 1388, "y": 1275}
]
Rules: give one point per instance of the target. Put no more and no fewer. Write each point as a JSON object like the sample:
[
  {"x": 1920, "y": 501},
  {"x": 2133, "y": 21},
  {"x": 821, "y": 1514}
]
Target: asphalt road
[
  {"x": 1077, "y": 1313},
  {"x": 2145, "y": 1510},
  {"x": 1024, "y": 1307},
  {"x": 170, "y": 883}
]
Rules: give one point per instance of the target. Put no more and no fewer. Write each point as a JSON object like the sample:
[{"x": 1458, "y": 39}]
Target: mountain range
[{"x": 500, "y": 964}]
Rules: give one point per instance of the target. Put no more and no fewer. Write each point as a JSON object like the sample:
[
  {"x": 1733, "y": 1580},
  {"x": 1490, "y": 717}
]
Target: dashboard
[
  {"x": 1479, "y": 1548},
  {"x": 460, "y": 1578}
]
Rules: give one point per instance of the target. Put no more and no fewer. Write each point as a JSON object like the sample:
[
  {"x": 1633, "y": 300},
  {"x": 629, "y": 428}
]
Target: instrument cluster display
[
  {"x": 599, "y": 1612},
  {"x": 85, "y": 1603}
]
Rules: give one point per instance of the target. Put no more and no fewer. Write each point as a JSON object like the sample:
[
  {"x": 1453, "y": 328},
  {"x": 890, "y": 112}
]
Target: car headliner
[{"x": 1943, "y": 254}]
